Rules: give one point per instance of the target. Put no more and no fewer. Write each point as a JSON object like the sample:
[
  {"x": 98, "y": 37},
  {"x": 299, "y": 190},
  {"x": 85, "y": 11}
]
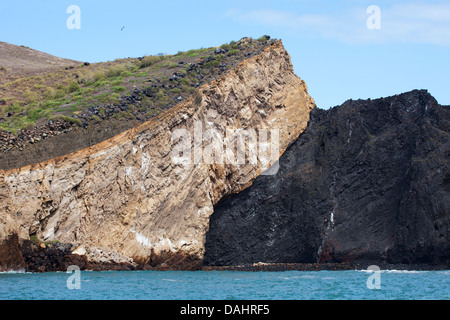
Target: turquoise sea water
[{"x": 225, "y": 285}]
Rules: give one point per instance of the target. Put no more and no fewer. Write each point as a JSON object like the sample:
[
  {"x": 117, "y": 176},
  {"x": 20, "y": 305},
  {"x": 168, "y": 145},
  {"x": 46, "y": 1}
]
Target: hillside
[
  {"x": 20, "y": 62},
  {"x": 74, "y": 107}
]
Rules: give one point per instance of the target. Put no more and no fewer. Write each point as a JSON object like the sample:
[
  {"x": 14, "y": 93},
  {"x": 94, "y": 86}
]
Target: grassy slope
[{"x": 66, "y": 93}]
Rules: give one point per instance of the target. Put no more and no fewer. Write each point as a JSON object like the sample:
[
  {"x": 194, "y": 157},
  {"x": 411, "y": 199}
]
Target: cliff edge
[
  {"x": 128, "y": 197},
  {"x": 368, "y": 182}
]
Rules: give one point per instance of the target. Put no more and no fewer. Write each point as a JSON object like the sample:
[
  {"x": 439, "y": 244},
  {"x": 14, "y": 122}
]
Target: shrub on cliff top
[{"x": 150, "y": 60}]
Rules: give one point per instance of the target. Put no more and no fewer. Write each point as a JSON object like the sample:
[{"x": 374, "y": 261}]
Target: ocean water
[{"x": 226, "y": 285}]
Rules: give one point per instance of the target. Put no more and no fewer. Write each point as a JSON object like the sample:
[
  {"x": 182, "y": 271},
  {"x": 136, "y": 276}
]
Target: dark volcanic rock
[
  {"x": 11, "y": 255},
  {"x": 59, "y": 256},
  {"x": 166, "y": 260},
  {"x": 368, "y": 181},
  {"x": 46, "y": 258}
]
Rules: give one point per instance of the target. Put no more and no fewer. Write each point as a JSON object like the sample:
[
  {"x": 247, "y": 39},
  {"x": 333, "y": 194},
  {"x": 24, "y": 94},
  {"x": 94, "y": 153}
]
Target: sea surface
[{"x": 226, "y": 285}]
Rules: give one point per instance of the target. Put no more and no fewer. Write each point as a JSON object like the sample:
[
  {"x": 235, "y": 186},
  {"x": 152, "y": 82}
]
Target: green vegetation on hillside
[{"x": 150, "y": 84}]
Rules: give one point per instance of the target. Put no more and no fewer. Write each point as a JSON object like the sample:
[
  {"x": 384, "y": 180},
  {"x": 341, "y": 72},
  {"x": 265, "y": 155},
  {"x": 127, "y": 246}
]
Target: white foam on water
[
  {"x": 20, "y": 271},
  {"x": 306, "y": 277},
  {"x": 391, "y": 271},
  {"x": 172, "y": 280},
  {"x": 401, "y": 271}
]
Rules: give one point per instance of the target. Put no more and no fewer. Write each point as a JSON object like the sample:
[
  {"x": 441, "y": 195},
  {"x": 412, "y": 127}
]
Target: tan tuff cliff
[{"x": 128, "y": 195}]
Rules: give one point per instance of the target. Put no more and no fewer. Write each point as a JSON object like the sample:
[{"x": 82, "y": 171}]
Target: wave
[
  {"x": 172, "y": 280},
  {"x": 402, "y": 271},
  {"x": 393, "y": 271},
  {"x": 14, "y": 271}
]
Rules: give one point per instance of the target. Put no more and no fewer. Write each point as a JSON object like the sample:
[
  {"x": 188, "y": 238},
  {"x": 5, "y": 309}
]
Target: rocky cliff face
[
  {"x": 368, "y": 181},
  {"x": 128, "y": 196},
  {"x": 10, "y": 249}
]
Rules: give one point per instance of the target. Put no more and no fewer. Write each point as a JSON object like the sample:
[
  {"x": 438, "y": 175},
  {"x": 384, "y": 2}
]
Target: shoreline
[
  {"x": 271, "y": 267},
  {"x": 280, "y": 267},
  {"x": 58, "y": 257}
]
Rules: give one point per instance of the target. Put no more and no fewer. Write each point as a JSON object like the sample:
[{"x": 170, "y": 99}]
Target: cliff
[
  {"x": 126, "y": 198},
  {"x": 50, "y": 112},
  {"x": 367, "y": 182}
]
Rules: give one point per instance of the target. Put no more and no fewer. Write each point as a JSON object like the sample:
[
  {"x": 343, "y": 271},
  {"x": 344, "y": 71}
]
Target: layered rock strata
[{"x": 132, "y": 195}]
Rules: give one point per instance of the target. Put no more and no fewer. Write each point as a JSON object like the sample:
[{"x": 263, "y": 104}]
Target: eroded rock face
[
  {"x": 10, "y": 249},
  {"x": 368, "y": 181},
  {"x": 127, "y": 194}
]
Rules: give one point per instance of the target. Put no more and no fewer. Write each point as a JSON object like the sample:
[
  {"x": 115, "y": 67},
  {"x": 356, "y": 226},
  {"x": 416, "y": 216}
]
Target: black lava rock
[{"x": 367, "y": 182}]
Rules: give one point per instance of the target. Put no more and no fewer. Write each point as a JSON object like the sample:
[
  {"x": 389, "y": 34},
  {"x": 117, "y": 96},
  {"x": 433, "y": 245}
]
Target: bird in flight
[{"x": 122, "y": 28}]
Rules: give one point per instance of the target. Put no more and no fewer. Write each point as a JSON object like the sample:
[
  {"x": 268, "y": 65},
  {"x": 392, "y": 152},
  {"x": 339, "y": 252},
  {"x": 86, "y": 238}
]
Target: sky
[{"x": 354, "y": 49}]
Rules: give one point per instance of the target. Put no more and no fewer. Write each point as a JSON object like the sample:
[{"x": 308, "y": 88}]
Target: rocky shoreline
[
  {"x": 57, "y": 257},
  {"x": 279, "y": 267}
]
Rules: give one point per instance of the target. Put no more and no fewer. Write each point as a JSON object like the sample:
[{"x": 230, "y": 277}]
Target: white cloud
[{"x": 405, "y": 23}]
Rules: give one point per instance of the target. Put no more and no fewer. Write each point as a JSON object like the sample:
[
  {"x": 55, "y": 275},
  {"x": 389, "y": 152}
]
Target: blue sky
[{"x": 331, "y": 47}]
